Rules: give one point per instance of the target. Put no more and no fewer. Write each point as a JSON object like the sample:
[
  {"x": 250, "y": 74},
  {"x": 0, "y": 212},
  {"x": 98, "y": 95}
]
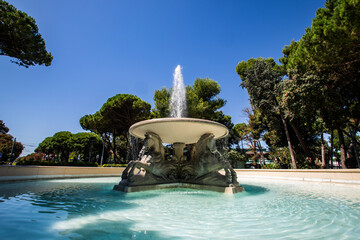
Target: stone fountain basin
[{"x": 179, "y": 130}]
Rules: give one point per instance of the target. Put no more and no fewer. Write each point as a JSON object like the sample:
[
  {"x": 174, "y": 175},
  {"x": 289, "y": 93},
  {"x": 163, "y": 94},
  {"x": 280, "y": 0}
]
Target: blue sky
[{"x": 103, "y": 48}]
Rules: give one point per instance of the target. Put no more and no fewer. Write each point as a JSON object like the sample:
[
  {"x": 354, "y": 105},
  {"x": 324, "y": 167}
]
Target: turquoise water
[{"x": 89, "y": 209}]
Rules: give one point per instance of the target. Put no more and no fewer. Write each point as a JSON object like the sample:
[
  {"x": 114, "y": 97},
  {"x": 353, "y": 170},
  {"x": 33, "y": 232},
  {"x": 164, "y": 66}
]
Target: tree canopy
[
  {"x": 3, "y": 128},
  {"x": 8, "y": 144},
  {"x": 65, "y": 144},
  {"x": 323, "y": 70},
  {"x": 202, "y": 102},
  {"x": 115, "y": 117},
  {"x": 20, "y": 37}
]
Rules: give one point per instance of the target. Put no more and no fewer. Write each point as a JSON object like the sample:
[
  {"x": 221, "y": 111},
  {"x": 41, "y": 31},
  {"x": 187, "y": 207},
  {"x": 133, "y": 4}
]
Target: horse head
[
  {"x": 205, "y": 145},
  {"x": 153, "y": 145}
]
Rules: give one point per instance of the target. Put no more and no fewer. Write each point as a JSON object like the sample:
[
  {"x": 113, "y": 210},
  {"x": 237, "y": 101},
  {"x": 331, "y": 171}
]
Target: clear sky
[{"x": 103, "y": 48}]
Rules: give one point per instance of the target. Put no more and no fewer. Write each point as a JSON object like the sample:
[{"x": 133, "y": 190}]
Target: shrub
[
  {"x": 34, "y": 157},
  {"x": 47, "y": 163},
  {"x": 114, "y": 165},
  {"x": 271, "y": 166}
]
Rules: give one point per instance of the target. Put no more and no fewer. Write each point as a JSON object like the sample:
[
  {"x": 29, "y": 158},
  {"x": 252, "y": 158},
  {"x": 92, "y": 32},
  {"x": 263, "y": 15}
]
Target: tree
[
  {"x": 59, "y": 145},
  {"x": 7, "y": 146},
  {"x": 3, "y": 128},
  {"x": 202, "y": 102},
  {"x": 330, "y": 50},
  {"x": 162, "y": 103},
  {"x": 115, "y": 117},
  {"x": 19, "y": 37},
  {"x": 252, "y": 132},
  {"x": 201, "y": 98},
  {"x": 241, "y": 132},
  {"x": 88, "y": 145},
  {"x": 47, "y": 146},
  {"x": 64, "y": 143},
  {"x": 261, "y": 78}
]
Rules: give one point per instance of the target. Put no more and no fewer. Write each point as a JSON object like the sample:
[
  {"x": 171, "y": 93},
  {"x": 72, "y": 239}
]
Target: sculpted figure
[
  {"x": 207, "y": 161},
  {"x": 152, "y": 166}
]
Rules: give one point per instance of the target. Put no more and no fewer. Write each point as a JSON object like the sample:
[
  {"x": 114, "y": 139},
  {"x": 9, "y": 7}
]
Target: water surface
[{"x": 88, "y": 209}]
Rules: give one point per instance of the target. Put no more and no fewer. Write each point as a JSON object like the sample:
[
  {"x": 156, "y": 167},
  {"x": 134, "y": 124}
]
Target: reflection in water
[{"x": 89, "y": 209}]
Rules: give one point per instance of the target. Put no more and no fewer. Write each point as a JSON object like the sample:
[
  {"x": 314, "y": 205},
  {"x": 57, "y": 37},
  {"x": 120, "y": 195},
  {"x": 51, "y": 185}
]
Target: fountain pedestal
[
  {"x": 179, "y": 151},
  {"x": 205, "y": 169}
]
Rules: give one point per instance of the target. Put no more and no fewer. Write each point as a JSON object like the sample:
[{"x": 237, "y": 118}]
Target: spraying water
[{"x": 178, "y": 95}]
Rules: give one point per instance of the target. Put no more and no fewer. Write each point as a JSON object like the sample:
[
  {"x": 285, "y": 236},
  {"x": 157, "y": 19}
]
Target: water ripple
[{"x": 91, "y": 210}]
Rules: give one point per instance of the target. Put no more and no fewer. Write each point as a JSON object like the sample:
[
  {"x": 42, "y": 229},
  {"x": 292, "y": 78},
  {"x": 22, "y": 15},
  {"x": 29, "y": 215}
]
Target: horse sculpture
[
  {"x": 152, "y": 166},
  {"x": 207, "y": 161}
]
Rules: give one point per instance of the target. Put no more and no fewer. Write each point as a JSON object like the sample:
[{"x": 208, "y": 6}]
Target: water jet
[{"x": 205, "y": 168}]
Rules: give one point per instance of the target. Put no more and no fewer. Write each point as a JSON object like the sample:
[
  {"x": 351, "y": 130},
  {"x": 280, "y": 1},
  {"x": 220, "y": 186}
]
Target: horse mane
[
  {"x": 160, "y": 149},
  {"x": 201, "y": 146}
]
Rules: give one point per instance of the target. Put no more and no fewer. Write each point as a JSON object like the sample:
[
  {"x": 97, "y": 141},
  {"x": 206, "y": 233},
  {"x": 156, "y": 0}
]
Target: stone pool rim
[{"x": 21, "y": 173}]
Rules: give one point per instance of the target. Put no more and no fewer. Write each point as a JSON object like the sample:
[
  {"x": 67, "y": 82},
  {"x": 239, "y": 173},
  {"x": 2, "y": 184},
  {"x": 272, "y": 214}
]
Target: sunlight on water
[{"x": 89, "y": 209}]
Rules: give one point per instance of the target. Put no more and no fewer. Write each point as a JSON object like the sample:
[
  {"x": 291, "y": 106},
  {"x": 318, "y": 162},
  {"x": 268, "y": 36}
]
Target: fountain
[{"x": 203, "y": 167}]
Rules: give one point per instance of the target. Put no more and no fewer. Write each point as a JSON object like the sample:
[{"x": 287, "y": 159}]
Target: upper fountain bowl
[{"x": 179, "y": 130}]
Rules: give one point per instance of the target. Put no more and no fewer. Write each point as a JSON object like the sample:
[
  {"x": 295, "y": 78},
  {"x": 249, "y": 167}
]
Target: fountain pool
[{"x": 89, "y": 209}]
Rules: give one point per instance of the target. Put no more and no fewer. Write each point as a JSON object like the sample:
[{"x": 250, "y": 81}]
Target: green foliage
[
  {"x": 236, "y": 158},
  {"x": 241, "y": 130},
  {"x": 3, "y": 128},
  {"x": 50, "y": 163},
  {"x": 162, "y": 103},
  {"x": 323, "y": 69},
  {"x": 244, "y": 66},
  {"x": 261, "y": 77},
  {"x": 271, "y": 166},
  {"x": 122, "y": 111},
  {"x": 114, "y": 165},
  {"x": 281, "y": 155},
  {"x": 202, "y": 102},
  {"x": 59, "y": 144},
  {"x": 334, "y": 36},
  {"x": 46, "y": 146},
  {"x": 19, "y": 37},
  {"x": 330, "y": 51},
  {"x": 252, "y": 132},
  {"x": 66, "y": 145},
  {"x": 202, "y": 99},
  {"x": 86, "y": 144},
  {"x": 114, "y": 119},
  {"x": 33, "y": 157},
  {"x": 7, "y": 143}
]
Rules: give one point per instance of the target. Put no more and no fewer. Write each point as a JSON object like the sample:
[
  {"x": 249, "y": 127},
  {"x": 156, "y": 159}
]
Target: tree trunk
[
  {"x": 261, "y": 153},
  {"x": 353, "y": 140},
  {"x": 342, "y": 148},
  {"x": 323, "y": 159},
  {"x": 331, "y": 149},
  {"x": 302, "y": 143},
  {"x": 356, "y": 155},
  {"x": 293, "y": 161},
  {"x": 254, "y": 147},
  {"x": 114, "y": 147}
]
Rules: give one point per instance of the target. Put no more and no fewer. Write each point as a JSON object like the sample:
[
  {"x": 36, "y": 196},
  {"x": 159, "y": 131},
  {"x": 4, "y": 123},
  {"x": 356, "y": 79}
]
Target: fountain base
[
  {"x": 201, "y": 167},
  {"x": 228, "y": 190}
]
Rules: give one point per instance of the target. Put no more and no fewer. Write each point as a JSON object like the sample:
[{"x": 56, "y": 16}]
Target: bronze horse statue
[
  {"x": 152, "y": 165},
  {"x": 207, "y": 161}
]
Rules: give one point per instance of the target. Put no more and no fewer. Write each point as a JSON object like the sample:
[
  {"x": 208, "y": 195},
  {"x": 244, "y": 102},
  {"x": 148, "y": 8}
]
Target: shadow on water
[
  {"x": 254, "y": 190},
  {"x": 94, "y": 211},
  {"x": 107, "y": 229},
  {"x": 71, "y": 197},
  {"x": 72, "y": 203}
]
